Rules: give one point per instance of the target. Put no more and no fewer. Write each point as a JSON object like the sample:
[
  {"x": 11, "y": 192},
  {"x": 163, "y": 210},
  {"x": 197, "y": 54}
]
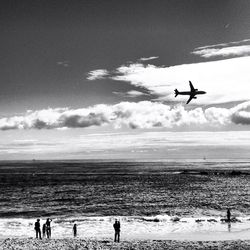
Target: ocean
[{"x": 152, "y": 199}]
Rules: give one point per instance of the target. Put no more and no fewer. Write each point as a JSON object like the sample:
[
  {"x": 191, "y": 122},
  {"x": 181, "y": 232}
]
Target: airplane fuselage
[{"x": 191, "y": 93}]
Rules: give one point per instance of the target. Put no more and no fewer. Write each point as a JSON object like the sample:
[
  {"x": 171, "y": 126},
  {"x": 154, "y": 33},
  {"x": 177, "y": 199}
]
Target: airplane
[{"x": 192, "y": 93}]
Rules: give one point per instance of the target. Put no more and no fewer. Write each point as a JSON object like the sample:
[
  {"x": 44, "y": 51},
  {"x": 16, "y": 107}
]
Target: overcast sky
[{"x": 96, "y": 79}]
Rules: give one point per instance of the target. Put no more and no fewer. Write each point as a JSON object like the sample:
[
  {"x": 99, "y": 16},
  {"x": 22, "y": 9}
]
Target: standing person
[
  {"x": 48, "y": 228},
  {"x": 117, "y": 227},
  {"x": 75, "y": 230},
  {"x": 37, "y": 228},
  {"x": 44, "y": 230},
  {"x": 228, "y": 215}
]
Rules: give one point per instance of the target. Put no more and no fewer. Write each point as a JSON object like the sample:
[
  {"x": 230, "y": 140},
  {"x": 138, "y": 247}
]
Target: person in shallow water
[
  {"x": 44, "y": 230},
  {"x": 228, "y": 215},
  {"x": 48, "y": 228},
  {"x": 75, "y": 230},
  {"x": 37, "y": 228},
  {"x": 117, "y": 227}
]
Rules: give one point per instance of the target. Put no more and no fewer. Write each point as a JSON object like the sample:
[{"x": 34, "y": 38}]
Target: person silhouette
[
  {"x": 75, "y": 230},
  {"x": 228, "y": 215},
  {"x": 48, "y": 228},
  {"x": 117, "y": 227},
  {"x": 37, "y": 228},
  {"x": 44, "y": 230}
]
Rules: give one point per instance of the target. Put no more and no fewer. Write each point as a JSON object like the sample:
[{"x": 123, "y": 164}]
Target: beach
[
  {"x": 161, "y": 227},
  {"x": 150, "y": 234},
  {"x": 66, "y": 244},
  {"x": 161, "y": 205}
]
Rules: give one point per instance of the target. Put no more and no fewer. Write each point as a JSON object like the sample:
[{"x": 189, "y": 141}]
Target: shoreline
[
  {"x": 161, "y": 227},
  {"x": 76, "y": 243}
]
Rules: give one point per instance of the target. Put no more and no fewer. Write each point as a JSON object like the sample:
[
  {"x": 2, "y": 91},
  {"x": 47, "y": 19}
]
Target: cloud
[
  {"x": 135, "y": 145},
  {"x": 135, "y": 93},
  {"x": 241, "y": 114},
  {"x": 224, "y": 49},
  {"x": 148, "y": 58},
  {"x": 34, "y": 147},
  {"x": 141, "y": 115},
  {"x": 224, "y": 44},
  {"x": 131, "y": 93},
  {"x": 218, "y": 78},
  {"x": 158, "y": 139},
  {"x": 63, "y": 64},
  {"x": 242, "y": 50},
  {"x": 97, "y": 74},
  {"x": 223, "y": 80}
]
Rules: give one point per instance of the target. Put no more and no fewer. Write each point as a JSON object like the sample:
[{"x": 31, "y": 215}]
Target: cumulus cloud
[
  {"x": 242, "y": 50},
  {"x": 148, "y": 58},
  {"x": 145, "y": 115},
  {"x": 241, "y": 114},
  {"x": 97, "y": 74}
]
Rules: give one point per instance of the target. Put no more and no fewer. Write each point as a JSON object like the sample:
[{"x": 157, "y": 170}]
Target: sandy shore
[{"x": 77, "y": 244}]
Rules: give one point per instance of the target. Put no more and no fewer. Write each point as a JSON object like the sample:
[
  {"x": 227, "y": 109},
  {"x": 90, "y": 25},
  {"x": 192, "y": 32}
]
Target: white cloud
[
  {"x": 63, "y": 63},
  {"x": 162, "y": 139},
  {"x": 131, "y": 93},
  {"x": 224, "y": 49},
  {"x": 97, "y": 74},
  {"x": 135, "y": 145},
  {"x": 224, "y": 44},
  {"x": 242, "y": 50},
  {"x": 144, "y": 115},
  {"x": 224, "y": 80},
  {"x": 148, "y": 58},
  {"x": 135, "y": 93},
  {"x": 25, "y": 141}
]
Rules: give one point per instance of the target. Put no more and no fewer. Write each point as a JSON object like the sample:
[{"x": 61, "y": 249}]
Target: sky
[{"x": 95, "y": 79}]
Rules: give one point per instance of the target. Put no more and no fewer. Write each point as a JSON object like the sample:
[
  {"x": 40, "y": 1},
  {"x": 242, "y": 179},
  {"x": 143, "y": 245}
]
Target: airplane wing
[
  {"x": 191, "y": 87},
  {"x": 190, "y": 98}
]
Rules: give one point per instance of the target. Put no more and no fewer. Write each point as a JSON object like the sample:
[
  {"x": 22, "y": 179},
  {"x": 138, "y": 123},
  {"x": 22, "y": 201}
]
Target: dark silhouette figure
[
  {"x": 37, "y": 228},
  {"x": 228, "y": 215},
  {"x": 117, "y": 227},
  {"x": 192, "y": 93},
  {"x": 75, "y": 230},
  {"x": 44, "y": 230},
  {"x": 48, "y": 228}
]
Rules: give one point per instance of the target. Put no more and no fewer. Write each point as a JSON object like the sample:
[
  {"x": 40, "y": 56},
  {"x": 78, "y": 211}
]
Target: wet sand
[{"x": 63, "y": 244}]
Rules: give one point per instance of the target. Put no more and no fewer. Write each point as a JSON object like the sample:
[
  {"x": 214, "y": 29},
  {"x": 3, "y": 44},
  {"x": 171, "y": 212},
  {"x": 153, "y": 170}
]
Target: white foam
[{"x": 133, "y": 227}]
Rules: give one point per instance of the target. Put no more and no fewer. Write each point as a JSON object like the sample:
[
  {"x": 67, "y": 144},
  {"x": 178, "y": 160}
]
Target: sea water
[{"x": 153, "y": 200}]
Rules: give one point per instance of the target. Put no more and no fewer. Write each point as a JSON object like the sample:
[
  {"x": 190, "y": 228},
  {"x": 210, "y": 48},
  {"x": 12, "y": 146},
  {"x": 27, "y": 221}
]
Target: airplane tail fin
[{"x": 176, "y": 92}]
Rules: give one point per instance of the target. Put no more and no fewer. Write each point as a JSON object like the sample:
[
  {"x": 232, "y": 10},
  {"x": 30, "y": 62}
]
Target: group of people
[
  {"x": 46, "y": 229},
  {"x": 117, "y": 227}
]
